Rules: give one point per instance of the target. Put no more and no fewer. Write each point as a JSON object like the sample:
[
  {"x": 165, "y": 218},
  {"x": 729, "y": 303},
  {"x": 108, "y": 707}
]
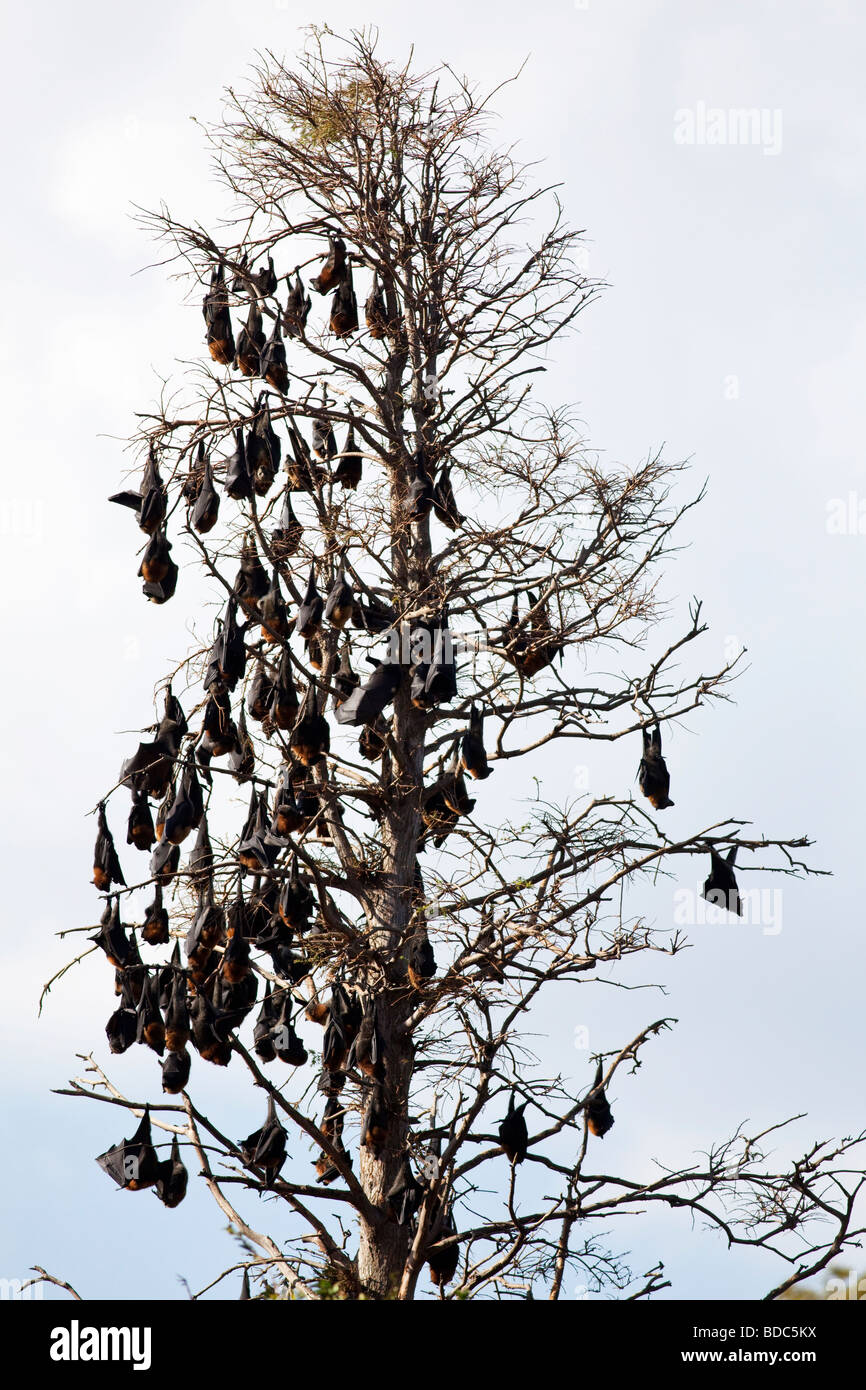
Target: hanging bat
[
  {"x": 405, "y": 1194},
  {"x": 598, "y": 1114},
  {"x": 166, "y": 977},
  {"x": 288, "y": 1047},
  {"x": 512, "y": 637},
  {"x": 287, "y": 537},
  {"x": 419, "y": 499},
  {"x": 327, "y": 1171},
  {"x": 298, "y": 305},
  {"x": 263, "y": 449},
  {"x": 287, "y": 816},
  {"x": 156, "y": 559},
  {"x": 333, "y": 272},
  {"x": 207, "y": 929},
  {"x": 151, "y": 500},
  {"x": 442, "y": 1260},
  {"x": 344, "y": 680},
  {"x": 154, "y": 928},
  {"x": 513, "y": 1134},
  {"x": 207, "y": 504},
  {"x": 295, "y": 903},
  {"x": 261, "y": 905},
  {"x": 540, "y": 645},
  {"x": 339, "y": 603},
  {"x": 162, "y": 590},
  {"x": 335, "y": 1044},
  {"x": 150, "y": 767},
  {"x": 277, "y": 941},
  {"x": 177, "y": 1024},
  {"x": 376, "y": 1121},
  {"x": 324, "y": 439},
  {"x": 227, "y": 656},
  {"x": 128, "y": 977},
  {"x": 263, "y": 1043},
  {"x": 240, "y": 280},
  {"x": 259, "y": 694},
  {"x": 372, "y": 739},
  {"x": 309, "y": 616},
  {"x": 164, "y": 861},
  {"x": 232, "y": 1003},
  {"x": 440, "y": 682},
  {"x": 235, "y": 965},
  {"x": 106, "y": 865},
  {"x": 311, "y": 738},
  {"x": 473, "y": 757},
  {"x": 317, "y": 1012},
  {"x": 238, "y": 483},
  {"x": 274, "y": 369},
  {"x": 242, "y": 759},
  {"x": 194, "y": 479},
  {"x": 251, "y": 583},
  {"x": 208, "y": 1043},
  {"x": 217, "y": 725},
  {"x": 275, "y": 624},
  {"x": 258, "y": 850},
  {"x": 151, "y": 1028},
  {"x": 308, "y": 802},
  {"x": 251, "y": 341},
  {"x": 721, "y": 886},
  {"x": 315, "y": 651},
  {"x": 139, "y": 827},
  {"x": 653, "y": 776},
  {"x": 172, "y": 1178},
  {"x": 344, "y": 308},
  {"x": 373, "y": 617},
  {"x": 121, "y": 1030},
  {"x": 367, "y": 1050},
  {"x": 346, "y": 1007},
  {"x": 351, "y": 465},
  {"x": 443, "y": 805},
  {"x": 304, "y": 475},
  {"x": 186, "y": 810},
  {"x": 163, "y": 809},
  {"x": 418, "y": 685},
  {"x": 332, "y": 1121},
  {"x": 265, "y": 280},
  {"x": 266, "y": 1147},
  {"x": 421, "y": 962},
  {"x": 444, "y": 504},
  {"x": 215, "y": 308},
  {"x": 369, "y": 700},
  {"x": 454, "y": 791},
  {"x": 437, "y": 816},
  {"x": 376, "y": 311},
  {"x": 132, "y": 1163},
  {"x": 332, "y": 1129}
]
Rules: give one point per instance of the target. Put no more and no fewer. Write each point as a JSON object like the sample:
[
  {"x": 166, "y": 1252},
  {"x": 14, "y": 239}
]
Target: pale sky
[{"x": 733, "y": 333}]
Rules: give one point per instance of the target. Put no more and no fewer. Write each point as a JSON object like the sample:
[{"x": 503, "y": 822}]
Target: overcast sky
[{"x": 733, "y": 333}]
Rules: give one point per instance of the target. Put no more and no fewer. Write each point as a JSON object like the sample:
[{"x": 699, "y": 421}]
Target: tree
[{"x": 461, "y": 537}]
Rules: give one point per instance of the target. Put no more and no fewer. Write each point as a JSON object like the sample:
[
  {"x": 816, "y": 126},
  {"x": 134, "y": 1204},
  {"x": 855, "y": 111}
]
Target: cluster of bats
[
  {"x": 252, "y": 467},
  {"x": 200, "y": 1001}
]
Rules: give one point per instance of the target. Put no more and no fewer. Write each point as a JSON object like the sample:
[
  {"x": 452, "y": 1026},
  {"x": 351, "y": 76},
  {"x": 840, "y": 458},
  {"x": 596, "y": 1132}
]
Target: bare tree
[{"x": 458, "y": 534}]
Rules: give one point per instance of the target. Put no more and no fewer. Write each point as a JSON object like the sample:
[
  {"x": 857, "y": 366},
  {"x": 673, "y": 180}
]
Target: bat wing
[{"x": 127, "y": 499}]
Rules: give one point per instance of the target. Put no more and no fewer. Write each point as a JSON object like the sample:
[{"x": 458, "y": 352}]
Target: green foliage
[{"x": 336, "y": 117}]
